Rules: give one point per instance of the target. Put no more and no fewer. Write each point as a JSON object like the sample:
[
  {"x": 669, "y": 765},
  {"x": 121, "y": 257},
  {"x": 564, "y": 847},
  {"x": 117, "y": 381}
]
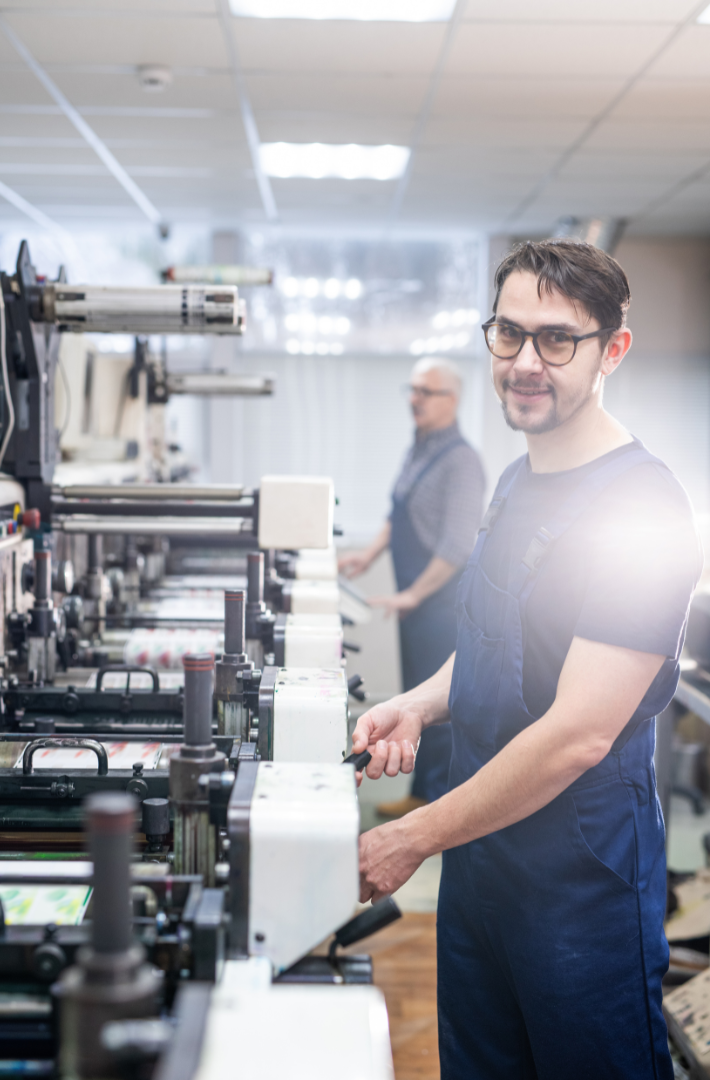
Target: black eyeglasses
[
  {"x": 554, "y": 347},
  {"x": 423, "y": 391}
]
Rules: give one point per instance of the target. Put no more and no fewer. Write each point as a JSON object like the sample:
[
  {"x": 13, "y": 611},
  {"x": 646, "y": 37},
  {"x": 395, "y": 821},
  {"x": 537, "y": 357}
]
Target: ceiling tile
[
  {"x": 517, "y": 50},
  {"x": 688, "y": 57},
  {"x": 345, "y": 93},
  {"x": 312, "y": 46},
  {"x": 659, "y": 136},
  {"x": 335, "y": 128},
  {"x": 637, "y": 11},
  {"x": 515, "y": 98},
  {"x": 196, "y": 41},
  {"x": 483, "y": 132}
]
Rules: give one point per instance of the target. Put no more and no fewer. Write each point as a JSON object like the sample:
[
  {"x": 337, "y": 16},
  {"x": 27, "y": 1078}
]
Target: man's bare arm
[
  {"x": 432, "y": 578},
  {"x": 359, "y": 561},
  {"x": 391, "y": 730},
  {"x": 599, "y": 689}
]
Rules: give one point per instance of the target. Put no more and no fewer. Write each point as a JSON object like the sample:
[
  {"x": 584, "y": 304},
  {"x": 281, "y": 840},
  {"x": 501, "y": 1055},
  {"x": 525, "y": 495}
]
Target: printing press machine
[{"x": 230, "y": 776}]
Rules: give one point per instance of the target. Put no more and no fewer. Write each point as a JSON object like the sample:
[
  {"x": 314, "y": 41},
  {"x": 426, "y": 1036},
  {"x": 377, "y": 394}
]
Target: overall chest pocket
[{"x": 478, "y": 673}]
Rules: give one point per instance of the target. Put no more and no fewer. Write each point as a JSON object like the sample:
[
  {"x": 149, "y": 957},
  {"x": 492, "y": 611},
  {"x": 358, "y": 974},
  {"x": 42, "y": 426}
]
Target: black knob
[{"x": 48, "y": 960}]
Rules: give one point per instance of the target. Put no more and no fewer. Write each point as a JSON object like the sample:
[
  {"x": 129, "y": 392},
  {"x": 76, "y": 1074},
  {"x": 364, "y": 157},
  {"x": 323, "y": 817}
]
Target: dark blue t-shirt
[{"x": 622, "y": 574}]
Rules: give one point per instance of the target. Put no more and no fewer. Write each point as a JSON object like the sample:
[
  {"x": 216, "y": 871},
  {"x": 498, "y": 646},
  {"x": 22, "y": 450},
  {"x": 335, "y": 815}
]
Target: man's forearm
[
  {"x": 545, "y": 758},
  {"x": 434, "y": 576},
  {"x": 380, "y": 543},
  {"x": 431, "y": 698}
]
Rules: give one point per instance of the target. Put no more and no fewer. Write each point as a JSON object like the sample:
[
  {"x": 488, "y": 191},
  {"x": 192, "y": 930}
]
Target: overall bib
[
  {"x": 427, "y": 635},
  {"x": 551, "y": 948}
]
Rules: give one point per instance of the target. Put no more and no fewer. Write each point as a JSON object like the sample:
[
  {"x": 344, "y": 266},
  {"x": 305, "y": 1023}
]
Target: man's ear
[{"x": 616, "y": 350}]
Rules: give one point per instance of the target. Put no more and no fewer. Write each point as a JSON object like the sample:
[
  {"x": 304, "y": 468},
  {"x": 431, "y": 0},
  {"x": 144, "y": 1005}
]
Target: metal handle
[
  {"x": 360, "y": 761},
  {"x": 129, "y": 669},
  {"x": 79, "y": 744}
]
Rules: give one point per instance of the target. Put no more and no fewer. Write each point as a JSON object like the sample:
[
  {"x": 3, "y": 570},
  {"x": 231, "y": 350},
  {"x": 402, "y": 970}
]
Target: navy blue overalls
[
  {"x": 551, "y": 948},
  {"x": 427, "y": 635}
]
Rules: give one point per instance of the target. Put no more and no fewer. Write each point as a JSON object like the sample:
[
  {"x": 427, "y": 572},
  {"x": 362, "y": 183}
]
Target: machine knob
[{"x": 48, "y": 960}]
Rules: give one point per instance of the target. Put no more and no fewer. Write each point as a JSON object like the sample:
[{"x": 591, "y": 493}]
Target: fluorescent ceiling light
[
  {"x": 348, "y": 161},
  {"x": 361, "y": 10},
  {"x": 704, "y": 16}
]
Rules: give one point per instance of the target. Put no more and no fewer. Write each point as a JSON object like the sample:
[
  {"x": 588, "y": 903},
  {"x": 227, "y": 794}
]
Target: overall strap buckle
[
  {"x": 491, "y": 515},
  {"x": 539, "y": 546}
]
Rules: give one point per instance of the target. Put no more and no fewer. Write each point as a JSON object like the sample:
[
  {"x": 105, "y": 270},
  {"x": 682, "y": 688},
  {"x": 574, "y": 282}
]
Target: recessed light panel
[
  {"x": 361, "y": 10},
  {"x": 349, "y": 161}
]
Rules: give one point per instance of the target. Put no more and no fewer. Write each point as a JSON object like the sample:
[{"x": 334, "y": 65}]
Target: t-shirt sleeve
[
  {"x": 464, "y": 485},
  {"x": 643, "y": 565}
]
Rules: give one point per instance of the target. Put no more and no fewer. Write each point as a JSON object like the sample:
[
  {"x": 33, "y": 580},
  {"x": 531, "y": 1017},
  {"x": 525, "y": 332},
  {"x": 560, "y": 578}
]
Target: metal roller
[
  {"x": 230, "y": 669},
  {"x": 158, "y": 309},
  {"x": 221, "y": 275},
  {"x": 110, "y": 980},
  {"x": 195, "y": 836}
]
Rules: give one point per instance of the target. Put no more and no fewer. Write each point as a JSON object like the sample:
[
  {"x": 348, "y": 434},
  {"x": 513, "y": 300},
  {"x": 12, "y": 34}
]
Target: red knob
[{"x": 31, "y": 519}]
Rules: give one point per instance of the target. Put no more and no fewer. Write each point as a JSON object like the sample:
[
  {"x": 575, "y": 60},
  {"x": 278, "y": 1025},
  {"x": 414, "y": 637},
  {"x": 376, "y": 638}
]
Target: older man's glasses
[
  {"x": 554, "y": 347},
  {"x": 424, "y": 392}
]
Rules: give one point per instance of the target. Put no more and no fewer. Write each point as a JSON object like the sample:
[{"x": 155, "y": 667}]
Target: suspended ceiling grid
[{"x": 517, "y": 113}]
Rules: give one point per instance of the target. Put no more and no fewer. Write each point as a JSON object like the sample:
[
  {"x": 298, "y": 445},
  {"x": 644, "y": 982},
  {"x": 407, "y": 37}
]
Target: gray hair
[{"x": 449, "y": 369}]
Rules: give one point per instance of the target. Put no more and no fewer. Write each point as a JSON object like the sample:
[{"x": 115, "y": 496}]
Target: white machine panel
[
  {"x": 317, "y": 565},
  {"x": 295, "y": 1032},
  {"x": 313, "y": 641},
  {"x": 295, "y": 512},
  {"x": 303, "y": 862},
  {"x": 314, "y": 597},
  {"x": 310, "y": 715}
]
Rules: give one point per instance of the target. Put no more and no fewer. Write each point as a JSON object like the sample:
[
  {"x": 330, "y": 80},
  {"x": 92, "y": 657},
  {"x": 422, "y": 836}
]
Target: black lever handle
[
  {"x": 368, "y": 922},
  {"x": 360, "y": 761},
  {"x": 354, "y": 684},
  {"x": 351, "y": 646}
]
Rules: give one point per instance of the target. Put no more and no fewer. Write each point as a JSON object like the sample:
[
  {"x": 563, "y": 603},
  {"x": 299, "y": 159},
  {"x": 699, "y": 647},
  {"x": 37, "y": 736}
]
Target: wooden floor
[{"x": 404, "y": 957}]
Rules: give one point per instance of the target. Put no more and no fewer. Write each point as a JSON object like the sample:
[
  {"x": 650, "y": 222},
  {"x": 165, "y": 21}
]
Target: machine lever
[
  {"x": 368, "y": 922},
  {"x": 54, "y": 743},
  {"x": 354, "y": 684},
  {"x": 360, "y": 761},
  {"x": 128, "y": 670}
]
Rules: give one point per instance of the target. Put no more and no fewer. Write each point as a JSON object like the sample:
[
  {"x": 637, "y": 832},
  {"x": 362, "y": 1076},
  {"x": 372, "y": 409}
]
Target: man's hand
[
  {"x": 387, "y": 860},
  {"x": 400, "y": 603},
  {"x": 391, "y": 732},
  {"x": 355, "y": 563}
]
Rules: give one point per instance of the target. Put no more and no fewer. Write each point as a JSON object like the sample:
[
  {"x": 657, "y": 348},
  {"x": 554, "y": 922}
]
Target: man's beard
[
  {"x": 553, "y": 419},
  {"x": 545, "y": 423}
]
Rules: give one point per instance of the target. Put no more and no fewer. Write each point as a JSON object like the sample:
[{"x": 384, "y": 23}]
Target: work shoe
[{"x": 400, "y": 807}]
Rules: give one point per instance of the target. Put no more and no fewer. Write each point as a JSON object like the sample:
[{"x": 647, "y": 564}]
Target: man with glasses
[
  {"x": 437, "y": 505},
  {"x": 571, "y": 614}
]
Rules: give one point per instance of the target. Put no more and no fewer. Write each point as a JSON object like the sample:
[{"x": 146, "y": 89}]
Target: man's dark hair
[{"x": 578, "y": 270}]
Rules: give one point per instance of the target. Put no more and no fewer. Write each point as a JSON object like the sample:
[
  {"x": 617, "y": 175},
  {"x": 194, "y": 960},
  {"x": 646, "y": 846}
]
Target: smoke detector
[{"x": 154, "y": 77}]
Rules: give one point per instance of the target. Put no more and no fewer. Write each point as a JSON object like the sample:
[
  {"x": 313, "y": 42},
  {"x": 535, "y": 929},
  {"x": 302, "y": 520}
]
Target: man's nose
[{"x": 527, "y": 362}]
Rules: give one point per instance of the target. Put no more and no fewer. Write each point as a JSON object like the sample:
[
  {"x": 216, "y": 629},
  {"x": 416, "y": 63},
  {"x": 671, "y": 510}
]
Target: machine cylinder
[
  {"x": 156, "y": 818},
  {"x": 158, "y": 309},
  {"x": 43, "y": 575},
  {"x": 199, "y": 677},
  {"x": 96, "y": 551},
  {"x": 234, "y": 621},
  {"x": 255, "y": 577},
  {"x": 111, "y": 821}
]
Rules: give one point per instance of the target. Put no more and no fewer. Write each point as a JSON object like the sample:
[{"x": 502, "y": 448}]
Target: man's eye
[
  {"x": 508, "y": 333},
  {"x": 558, "y": 337}
]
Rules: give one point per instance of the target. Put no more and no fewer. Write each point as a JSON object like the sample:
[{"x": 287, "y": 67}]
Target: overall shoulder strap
[
  {"x": 458, "y": 441},
  {"x": 495, "y": 507},
  {"x": 573, "y": 507}
]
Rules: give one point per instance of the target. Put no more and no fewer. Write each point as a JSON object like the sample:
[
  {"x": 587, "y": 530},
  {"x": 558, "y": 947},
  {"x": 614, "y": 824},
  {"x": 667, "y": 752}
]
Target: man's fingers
[
  {"x": 394, "y": 758},
  {"x": 408, "y": 757},
  {"x": 379, "y": 760}
]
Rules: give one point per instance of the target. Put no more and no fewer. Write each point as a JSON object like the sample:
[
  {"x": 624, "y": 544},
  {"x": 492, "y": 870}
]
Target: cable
[
  {"x": 6, "y": 381},
  {"x": 67, "y": 391}
]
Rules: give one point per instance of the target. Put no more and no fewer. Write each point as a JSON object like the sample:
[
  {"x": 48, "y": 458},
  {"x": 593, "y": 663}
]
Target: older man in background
[{"x": 437, "y": 505}]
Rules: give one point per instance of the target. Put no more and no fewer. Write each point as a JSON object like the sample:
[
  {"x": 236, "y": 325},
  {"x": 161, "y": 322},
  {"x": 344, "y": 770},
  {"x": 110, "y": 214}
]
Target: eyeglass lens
[{"x": 505, "y": 342}]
